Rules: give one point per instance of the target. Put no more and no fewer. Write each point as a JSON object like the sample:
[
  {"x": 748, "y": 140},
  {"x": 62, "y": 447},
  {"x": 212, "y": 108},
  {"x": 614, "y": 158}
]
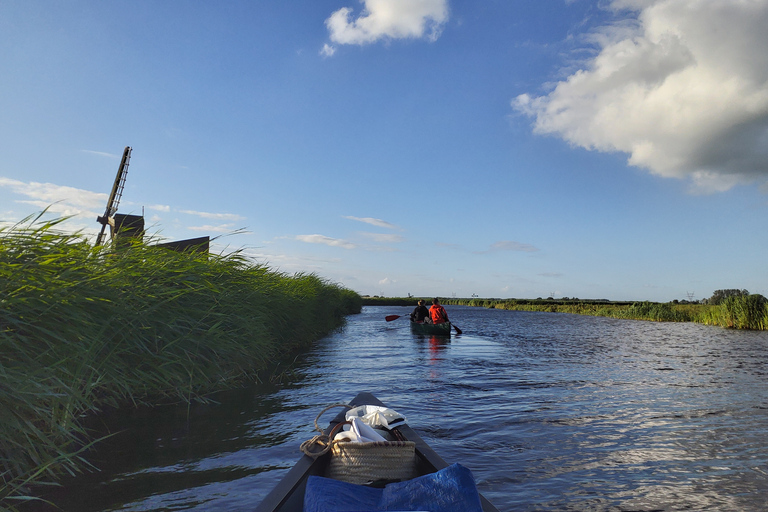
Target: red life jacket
[{"x": 438, "y": 314}]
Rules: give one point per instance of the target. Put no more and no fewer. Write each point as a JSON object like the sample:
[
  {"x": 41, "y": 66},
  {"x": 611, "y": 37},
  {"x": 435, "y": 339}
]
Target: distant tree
[{"x": 720, "y": 295}]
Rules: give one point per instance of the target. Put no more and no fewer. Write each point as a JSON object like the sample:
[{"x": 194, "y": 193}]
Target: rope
[{"x": 321, "y": 441}]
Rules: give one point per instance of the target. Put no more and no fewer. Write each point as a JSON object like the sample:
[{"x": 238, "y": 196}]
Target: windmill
[{"x": 114, "y": 196}]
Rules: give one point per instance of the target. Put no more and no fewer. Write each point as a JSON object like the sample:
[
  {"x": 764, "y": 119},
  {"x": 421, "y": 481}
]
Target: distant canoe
[{"x": 440, "y": 329}]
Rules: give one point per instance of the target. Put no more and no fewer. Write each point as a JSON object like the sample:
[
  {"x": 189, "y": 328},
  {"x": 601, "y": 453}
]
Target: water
[{"x": 551, "y": 412}]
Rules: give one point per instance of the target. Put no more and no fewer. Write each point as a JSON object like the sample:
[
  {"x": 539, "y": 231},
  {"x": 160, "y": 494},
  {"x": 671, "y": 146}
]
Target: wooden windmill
[{"x": 114, "y": 197}]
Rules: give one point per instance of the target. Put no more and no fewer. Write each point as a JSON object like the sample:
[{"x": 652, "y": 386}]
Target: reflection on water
[
  {"x": 436, "y": 344},
  {"x": 550, "y": 411}
]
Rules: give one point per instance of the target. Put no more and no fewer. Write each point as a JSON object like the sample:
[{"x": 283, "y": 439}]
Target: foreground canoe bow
[{"x": 288, "y": 495}]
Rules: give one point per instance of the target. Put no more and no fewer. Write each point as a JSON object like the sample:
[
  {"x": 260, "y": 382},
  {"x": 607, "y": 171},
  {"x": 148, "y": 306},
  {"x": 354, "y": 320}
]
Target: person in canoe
[
  {"x": 420, "y": 313},
  {"x": 437, "y": 313}
]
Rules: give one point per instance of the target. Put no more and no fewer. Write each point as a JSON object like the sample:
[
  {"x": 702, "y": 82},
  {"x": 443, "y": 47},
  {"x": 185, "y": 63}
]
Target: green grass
[{"x": 83, "y": 328}]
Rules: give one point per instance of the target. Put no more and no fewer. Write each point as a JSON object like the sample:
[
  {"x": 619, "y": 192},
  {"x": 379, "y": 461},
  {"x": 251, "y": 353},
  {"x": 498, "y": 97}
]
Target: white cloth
[
  {"x": 358, "y": 432},
  {"x": 376, "y": 416}
]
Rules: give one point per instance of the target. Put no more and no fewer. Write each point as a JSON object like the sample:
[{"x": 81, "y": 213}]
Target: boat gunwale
[
  {"x": 283, "y": 496},
  {"x": 431, "y": 329}
]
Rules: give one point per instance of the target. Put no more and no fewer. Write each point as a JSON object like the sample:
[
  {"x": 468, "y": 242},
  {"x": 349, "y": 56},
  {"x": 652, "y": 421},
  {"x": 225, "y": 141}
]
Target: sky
[{"x": 610, "y": 149}]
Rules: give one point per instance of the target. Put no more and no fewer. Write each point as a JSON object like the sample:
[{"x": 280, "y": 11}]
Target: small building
[{"x": 200, "y": 244}]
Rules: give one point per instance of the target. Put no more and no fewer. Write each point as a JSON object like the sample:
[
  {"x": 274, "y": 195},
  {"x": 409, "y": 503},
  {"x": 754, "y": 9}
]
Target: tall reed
[
  {"x": 739, "y": 312},
  {"x": 84, "y": 327}
]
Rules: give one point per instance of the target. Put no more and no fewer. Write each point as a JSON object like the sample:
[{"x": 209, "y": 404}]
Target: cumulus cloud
[
  {"x": 325, "y": 240},
  {"x": 374, "y": 222},
  {"x": 387, "y": 19},
  {"x": 681, "y": 87}
]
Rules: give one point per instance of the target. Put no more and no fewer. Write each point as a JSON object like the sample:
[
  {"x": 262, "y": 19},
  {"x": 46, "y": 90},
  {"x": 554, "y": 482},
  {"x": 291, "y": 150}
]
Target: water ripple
[{"x": 551, "y": 412}]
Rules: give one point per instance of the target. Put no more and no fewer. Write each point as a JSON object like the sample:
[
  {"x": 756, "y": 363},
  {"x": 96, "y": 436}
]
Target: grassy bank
[
  {"x": 745, "y": 312},
  {"x": 82, "y": 328}
]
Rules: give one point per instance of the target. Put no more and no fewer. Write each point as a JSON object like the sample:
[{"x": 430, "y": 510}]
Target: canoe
[
  {"x": 288, "y": 495},
  {"x": 439, "y": 329}
]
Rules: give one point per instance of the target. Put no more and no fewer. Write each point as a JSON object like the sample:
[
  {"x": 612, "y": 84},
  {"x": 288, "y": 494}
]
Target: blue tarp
[{"x": 449, "y": 490}]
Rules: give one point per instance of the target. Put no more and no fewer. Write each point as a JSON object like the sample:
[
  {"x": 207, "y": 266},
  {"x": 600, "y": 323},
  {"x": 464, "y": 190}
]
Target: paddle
[{"x": 458, "y": 331}]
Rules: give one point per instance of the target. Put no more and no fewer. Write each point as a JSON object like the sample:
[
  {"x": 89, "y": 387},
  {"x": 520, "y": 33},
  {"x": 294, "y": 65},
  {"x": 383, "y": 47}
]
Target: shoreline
[{"x": 747, "y": 312}]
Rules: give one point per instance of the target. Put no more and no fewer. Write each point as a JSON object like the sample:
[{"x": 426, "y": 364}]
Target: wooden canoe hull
[
  {"x": 288, "y": 495},
  {"x": 443, "y": 329}
]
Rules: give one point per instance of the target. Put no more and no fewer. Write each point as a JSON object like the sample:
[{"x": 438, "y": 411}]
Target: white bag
[
  {"x": 376, "y": 416},
  {"x": 359, "y": 432}
]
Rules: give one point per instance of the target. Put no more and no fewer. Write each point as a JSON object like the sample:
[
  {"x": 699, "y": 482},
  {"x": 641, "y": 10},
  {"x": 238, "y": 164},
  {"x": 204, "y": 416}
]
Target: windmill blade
[{"x": 115, "y": 195}]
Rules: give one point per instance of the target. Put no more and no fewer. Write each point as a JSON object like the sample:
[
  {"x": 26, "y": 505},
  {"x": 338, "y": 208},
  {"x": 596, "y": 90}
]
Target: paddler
[
  {"x": 420, "y": 312},
  {"x": 437, "y": 312}
]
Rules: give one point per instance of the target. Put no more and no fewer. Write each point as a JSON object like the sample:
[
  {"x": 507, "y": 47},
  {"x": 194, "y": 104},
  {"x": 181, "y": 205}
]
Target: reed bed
[
  {"x": 736, "y": 312},
  {"x": 651, "y": 311},
  {"x": 82, "y": 328},
  {"x": 742, "y": 312},
  {"x": 745, "y": 312}
]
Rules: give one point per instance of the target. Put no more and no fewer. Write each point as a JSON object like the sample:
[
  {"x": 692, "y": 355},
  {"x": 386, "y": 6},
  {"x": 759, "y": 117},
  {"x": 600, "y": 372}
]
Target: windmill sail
[{"x": 115, "y": 195}]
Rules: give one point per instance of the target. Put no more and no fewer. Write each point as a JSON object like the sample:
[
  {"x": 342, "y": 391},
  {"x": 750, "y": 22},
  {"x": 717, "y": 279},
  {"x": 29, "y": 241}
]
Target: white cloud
[
  {"x": 682, "y": 89},
  {"x": 321, "y": 239},
  {"x": 60, "y": 198},
  {"x": 374, "y": 222},
  {"x": 86, "y": 205},
  {"x": 102, "y": 153},
  {"x": 294, "y": 262},
  {"x": 215, "y": 216},
  {"x": 388, "y": 19},
  {"x": 327, "y": 50},
  {"x": 384, "y": 237},
  {"x": 221, "y": 228}
]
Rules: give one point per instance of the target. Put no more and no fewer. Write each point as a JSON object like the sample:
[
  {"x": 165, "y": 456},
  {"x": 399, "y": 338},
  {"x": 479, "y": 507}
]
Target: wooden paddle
[{"x": 458, "y": 331}]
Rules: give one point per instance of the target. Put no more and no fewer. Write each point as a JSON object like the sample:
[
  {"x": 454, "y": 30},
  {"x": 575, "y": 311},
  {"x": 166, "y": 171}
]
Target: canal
[{"x": 551, "y": 412}]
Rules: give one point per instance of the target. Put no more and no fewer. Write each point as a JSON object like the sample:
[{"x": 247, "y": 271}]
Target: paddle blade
[
  {"x": 458, "y": 331},
  {"x": 391, "y": 317}
]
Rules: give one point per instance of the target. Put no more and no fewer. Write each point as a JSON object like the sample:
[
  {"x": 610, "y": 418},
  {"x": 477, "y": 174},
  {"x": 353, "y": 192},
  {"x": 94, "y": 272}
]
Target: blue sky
[{"x": 611, "y": 149}]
